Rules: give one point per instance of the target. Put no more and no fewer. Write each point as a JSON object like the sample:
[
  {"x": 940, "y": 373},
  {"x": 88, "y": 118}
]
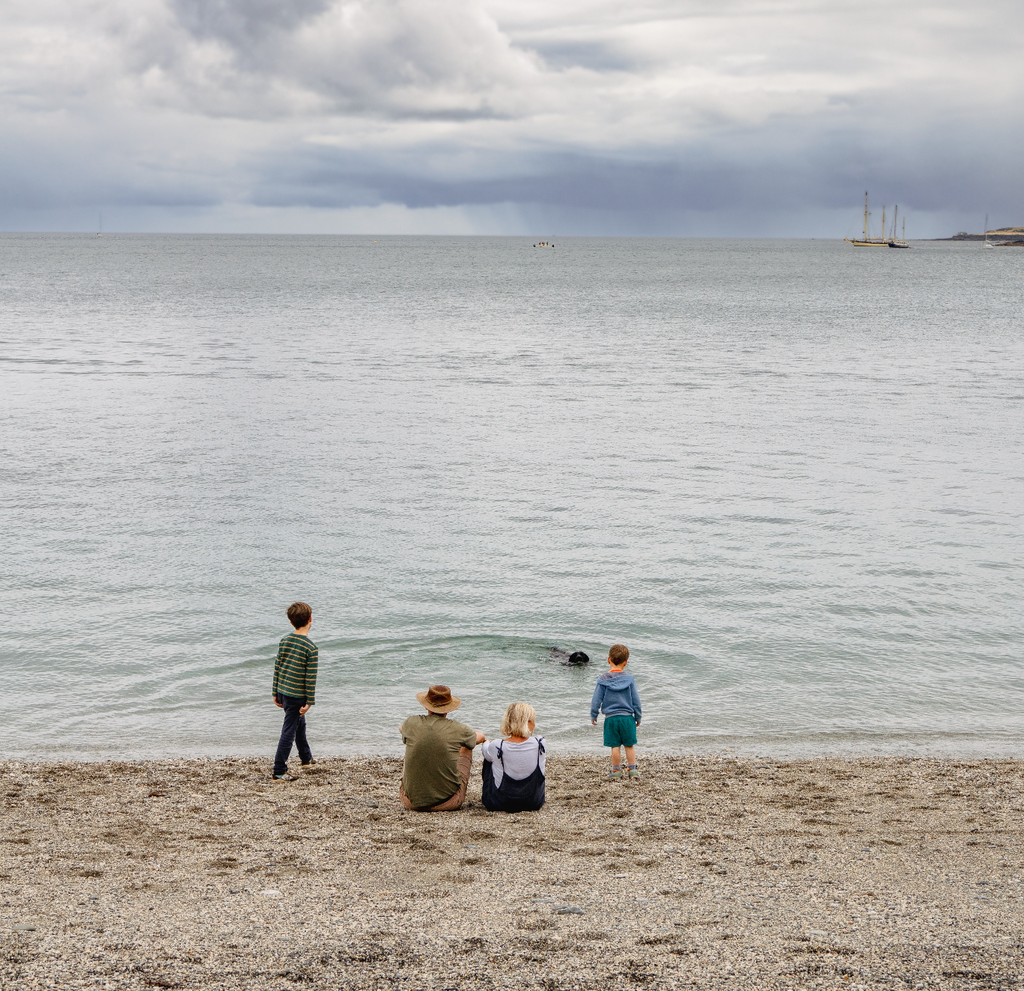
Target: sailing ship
[
  {"x": 901, "y": 241},
  {"x": 866, "y": 241},
  {"x": 884, "y": 241}
]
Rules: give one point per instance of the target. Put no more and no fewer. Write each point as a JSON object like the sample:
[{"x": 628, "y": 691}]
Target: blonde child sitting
[{"x": 513, "y": 771}]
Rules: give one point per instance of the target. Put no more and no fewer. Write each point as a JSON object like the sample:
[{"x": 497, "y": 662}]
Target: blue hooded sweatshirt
[{"x": 616, "y": 695}]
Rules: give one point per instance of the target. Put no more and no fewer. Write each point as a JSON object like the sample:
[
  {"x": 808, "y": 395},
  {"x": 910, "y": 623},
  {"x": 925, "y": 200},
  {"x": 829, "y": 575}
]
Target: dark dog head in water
[{"x": 574, "y": 659}]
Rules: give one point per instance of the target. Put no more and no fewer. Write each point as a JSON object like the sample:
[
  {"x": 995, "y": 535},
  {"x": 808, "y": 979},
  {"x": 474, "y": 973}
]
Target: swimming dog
[{"x": 573, "y": 660}]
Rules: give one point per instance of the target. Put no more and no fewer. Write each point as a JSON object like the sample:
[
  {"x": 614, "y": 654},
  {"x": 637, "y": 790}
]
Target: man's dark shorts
[{"x": 619, "y": 731}]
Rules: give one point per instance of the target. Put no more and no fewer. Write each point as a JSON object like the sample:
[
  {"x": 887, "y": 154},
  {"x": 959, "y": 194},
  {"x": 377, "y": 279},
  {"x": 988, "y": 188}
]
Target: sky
[{"x": 731, "y": 118}]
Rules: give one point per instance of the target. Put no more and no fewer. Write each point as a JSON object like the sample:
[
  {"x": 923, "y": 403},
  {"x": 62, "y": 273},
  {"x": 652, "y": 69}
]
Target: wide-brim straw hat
[{"x": 438, "y": 698}]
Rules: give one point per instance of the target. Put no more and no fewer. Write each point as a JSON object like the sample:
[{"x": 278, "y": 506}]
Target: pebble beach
[{"x": 708, "y": 873}]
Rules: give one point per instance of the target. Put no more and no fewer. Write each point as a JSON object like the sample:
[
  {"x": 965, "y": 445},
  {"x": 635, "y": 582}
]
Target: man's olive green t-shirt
[{"x": 431, "y": 758}]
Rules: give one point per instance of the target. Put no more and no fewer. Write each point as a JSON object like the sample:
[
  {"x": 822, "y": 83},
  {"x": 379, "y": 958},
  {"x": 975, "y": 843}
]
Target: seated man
[{"x": 438, "y": 754}]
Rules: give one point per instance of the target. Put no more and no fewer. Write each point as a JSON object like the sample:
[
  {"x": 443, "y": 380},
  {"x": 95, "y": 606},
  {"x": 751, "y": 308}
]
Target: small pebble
[
  {"x": 24, "y": 928},
  {"x": 569, "y": 910}
]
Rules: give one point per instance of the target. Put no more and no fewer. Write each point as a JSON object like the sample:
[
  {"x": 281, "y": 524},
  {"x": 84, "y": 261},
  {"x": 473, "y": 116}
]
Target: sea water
[{"x": 788, "y": 475}]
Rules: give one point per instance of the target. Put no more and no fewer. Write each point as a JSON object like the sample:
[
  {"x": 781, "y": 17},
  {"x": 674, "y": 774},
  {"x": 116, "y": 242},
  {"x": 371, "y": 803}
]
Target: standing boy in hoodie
[{"x": 617, "y": 697}]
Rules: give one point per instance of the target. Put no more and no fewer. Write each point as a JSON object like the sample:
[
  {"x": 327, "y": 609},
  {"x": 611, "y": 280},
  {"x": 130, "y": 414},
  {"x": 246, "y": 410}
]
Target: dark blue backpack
[{"x": 514, "y": 796}]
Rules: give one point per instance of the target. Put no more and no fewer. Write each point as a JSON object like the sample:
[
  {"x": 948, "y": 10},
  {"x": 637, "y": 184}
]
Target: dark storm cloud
[
  {"x": 566, "y": 180},
  {"x": 924, "y": 164},
  {"x": 592, "y": 182}
]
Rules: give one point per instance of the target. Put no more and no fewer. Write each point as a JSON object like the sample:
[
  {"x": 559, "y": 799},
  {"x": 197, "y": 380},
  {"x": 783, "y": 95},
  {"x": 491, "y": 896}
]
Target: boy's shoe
[
  {"x": 306, "y": 763},
  {"x": 633, "y": 774},
  {"x": 283, "y": 777},
  {"x": 614, "y": 775}
]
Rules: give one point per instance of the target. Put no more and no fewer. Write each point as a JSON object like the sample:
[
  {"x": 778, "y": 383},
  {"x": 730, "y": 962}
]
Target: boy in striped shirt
[{"x": 295, "y": 688}]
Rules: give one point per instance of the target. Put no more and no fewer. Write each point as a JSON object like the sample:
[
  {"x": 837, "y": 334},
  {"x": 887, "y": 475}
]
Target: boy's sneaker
[
  {"x": 614, "y": 775},
  {"x": 634, "y": 773},
  {"x": 306, "y": 763},
  {"x": 283, "y": 777}
]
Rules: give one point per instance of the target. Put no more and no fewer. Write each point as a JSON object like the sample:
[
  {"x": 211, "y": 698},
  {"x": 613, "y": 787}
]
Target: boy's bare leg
[
  {"x": 630, "y": 755},
  {"x": 616, "y": 757}
]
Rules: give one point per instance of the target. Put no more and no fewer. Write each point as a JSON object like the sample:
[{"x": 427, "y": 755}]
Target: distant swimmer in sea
[
  {"x": 575, "y": 659},
  {"x": 543, "y": 244}
]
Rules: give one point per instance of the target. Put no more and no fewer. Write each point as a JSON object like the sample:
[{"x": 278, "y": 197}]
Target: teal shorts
[{"x": 619, "y": 731}]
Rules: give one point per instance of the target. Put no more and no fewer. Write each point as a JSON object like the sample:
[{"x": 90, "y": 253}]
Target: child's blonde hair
[{"x": 517, "y": 719}]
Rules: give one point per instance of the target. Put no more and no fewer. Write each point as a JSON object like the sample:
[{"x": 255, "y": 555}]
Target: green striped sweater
[{"x": 295, "y": 668}]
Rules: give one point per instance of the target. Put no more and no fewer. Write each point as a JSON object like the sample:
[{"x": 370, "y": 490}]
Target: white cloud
[{"x": 304, "y": 103}]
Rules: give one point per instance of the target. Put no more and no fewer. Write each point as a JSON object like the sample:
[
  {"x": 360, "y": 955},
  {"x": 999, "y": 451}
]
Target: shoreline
[
  {"x": 932, "y": 745},
  {"x": 710, "y": 871}
]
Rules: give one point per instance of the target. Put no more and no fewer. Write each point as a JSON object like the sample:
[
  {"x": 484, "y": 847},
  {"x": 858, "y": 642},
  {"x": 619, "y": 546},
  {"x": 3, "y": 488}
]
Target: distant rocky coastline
[{"x": 1004, "y": 237}]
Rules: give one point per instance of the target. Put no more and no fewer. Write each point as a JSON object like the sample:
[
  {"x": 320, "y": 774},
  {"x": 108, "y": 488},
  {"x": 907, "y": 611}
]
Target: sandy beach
[{"x": 708, "y": 873}]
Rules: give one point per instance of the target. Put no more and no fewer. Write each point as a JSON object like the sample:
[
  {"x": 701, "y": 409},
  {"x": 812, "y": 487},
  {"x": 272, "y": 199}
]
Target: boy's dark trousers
[{"x": 293, "y": 731}]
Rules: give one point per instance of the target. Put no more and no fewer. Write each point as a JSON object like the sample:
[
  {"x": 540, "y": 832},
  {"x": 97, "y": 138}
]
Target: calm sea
[{"x": 789, "y": 475}]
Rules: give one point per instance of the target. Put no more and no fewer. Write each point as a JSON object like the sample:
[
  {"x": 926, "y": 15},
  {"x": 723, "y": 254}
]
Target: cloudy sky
[{"x": 682, "y": 117}]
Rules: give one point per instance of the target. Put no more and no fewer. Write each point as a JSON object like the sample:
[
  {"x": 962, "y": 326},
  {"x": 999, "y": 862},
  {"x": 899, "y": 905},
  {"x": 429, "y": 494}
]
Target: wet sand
[{"x": 708, "y": 873}]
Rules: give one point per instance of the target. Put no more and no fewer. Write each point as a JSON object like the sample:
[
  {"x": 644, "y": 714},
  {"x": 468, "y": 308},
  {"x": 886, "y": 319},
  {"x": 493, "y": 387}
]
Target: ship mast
[{"x": 866, "y": 215}]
